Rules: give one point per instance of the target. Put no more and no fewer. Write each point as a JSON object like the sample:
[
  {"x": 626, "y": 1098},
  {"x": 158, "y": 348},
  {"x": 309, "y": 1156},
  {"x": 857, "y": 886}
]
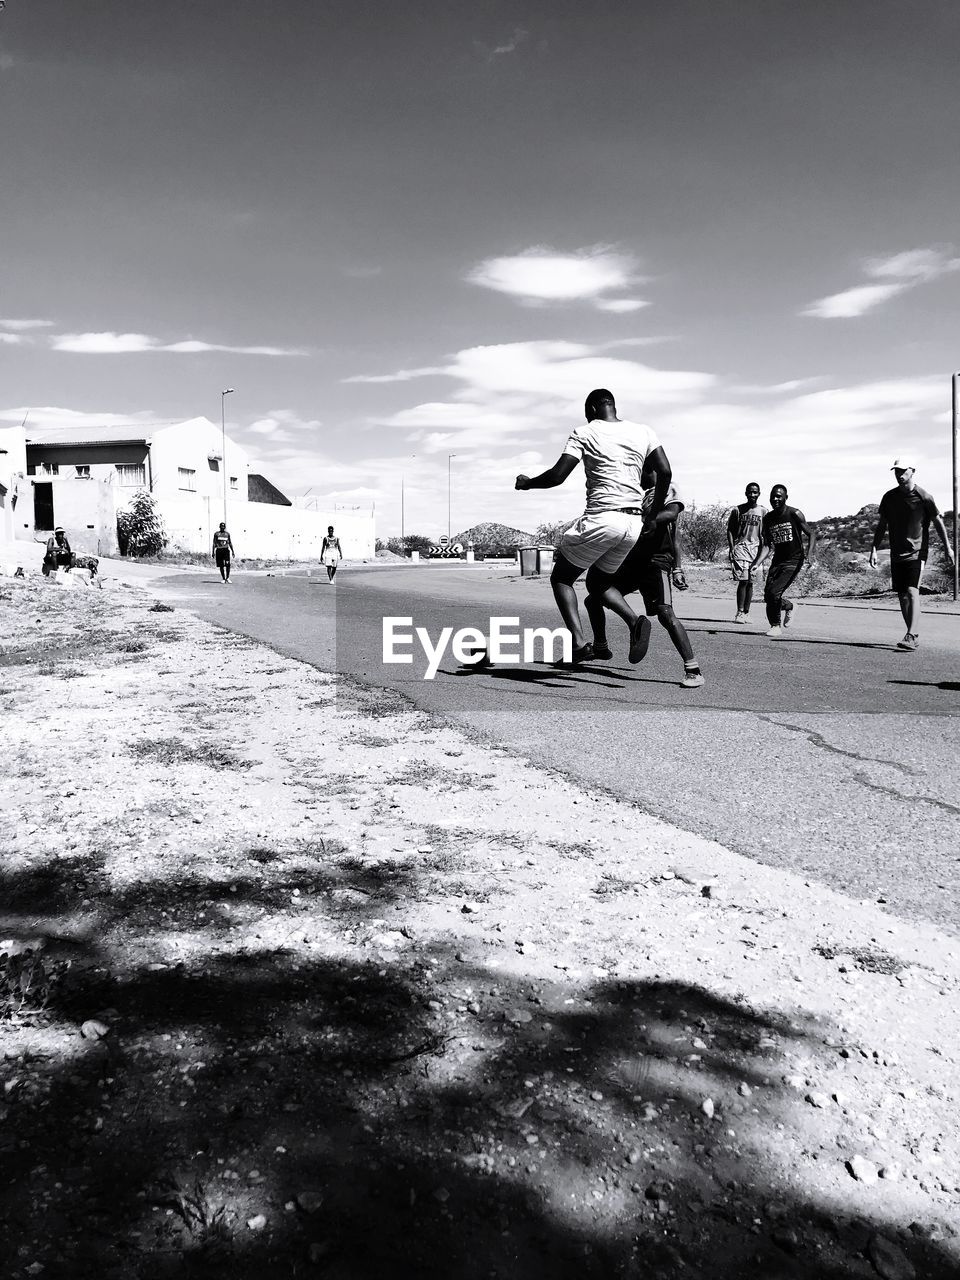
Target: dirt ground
[{"x": 295, "y": 982}]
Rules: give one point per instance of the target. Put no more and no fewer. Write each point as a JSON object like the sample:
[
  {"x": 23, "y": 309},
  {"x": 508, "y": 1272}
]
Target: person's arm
[
  {"x": 658, "y": 461},
  {"x": 763, "y": 550},
  {"x": 668, "y": 515},
  {"x": 732, "y": 523},
  {"x": 809, "y": 529},
  {"x": 550, "y": 478},
  {"x": 941, "y": 529},
  {"x": 878, "y": 535}
]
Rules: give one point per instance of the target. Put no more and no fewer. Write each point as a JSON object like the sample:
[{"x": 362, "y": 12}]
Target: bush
[
  {"x": 703, "y": 530},
  {"x": 548, "y": 535},
  {"x": 140, "y": 528}
]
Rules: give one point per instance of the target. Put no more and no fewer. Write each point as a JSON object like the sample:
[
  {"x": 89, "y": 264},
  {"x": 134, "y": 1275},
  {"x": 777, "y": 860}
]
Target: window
[
  {"x": 233, "y": 482},
  {"x": 48, "y": 469},
  {"x": 131, "y": 474},
  {"x": 83, "y": 470},
  {"x": 187, "y": 479},
  {"x": 214, "y": 464}
]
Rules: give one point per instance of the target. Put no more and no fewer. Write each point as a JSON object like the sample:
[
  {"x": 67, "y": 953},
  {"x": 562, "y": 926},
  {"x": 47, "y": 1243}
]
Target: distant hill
[
  {"x": 855, "y": 533},
  {"x": 850, "y": 533},
  {"x": 496, "y": 535}
]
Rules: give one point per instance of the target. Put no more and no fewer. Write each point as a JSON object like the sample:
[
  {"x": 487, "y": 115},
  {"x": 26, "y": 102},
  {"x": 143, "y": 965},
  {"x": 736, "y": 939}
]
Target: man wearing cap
[
  {"x": 908, "y": 512},
  {"x": 58, "y": 554},
  {"x": 613, "y": 453},
  {"x": 222, "y": 551}
]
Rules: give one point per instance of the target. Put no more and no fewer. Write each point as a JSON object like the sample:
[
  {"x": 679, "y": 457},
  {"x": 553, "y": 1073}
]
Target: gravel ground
[{"x": 295, "y": 981}]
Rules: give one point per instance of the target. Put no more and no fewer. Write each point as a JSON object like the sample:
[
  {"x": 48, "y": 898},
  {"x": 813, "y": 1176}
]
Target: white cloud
[
  {"x": 12, "y": 339},
  {"x": 513, "y": 44},
  {"x": 620, "y": 306},
  {"x": 52, "y": 417},
  {"x": 540, "y": 274},
  {"x": 19, "y": 325},
  {"x": 109, "y": 343},
  {"x": 853, "y": 302},
  {"x": 900, "y": 272}
]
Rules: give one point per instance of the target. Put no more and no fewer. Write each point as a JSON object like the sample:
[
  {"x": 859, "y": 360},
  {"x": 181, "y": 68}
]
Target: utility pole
[
  {"x": 956, "y": 541},
  {"x": 227, "y": 391}
]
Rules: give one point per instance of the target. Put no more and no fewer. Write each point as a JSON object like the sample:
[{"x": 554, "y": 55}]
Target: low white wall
[{"x": 261, "y": 530}]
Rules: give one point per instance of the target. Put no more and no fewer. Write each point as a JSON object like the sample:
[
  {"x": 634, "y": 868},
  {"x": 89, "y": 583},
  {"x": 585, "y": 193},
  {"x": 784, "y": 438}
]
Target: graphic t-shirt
[
  {"x": 221, "y": 542},
  {"x": 781, "y": 530},
  {"x": 908, "y": 513},
  {"x": 613, "y": 454},
  {"x": 744, "y": 524}
]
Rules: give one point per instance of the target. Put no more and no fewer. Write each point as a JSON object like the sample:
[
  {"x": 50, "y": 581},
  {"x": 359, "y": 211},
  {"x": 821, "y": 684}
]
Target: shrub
[
  {"x": 548, "y": 535},
  {"x": 139, "y": 527},
  {"x": 703, "y": 530}
]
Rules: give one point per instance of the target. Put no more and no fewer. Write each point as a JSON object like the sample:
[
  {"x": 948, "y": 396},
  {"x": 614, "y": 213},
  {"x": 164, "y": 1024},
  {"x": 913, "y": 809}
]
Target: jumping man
[{"x": 613, "y": 454}]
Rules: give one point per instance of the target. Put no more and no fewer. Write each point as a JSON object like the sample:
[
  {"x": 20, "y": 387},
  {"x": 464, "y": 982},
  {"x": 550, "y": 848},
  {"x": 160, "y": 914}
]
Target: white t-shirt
[{"x": 613, "y": 454}]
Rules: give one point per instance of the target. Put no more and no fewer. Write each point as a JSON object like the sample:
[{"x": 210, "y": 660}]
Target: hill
[
  {"x": 489, "y": 534},
  {"x": 855, "y": 533}
]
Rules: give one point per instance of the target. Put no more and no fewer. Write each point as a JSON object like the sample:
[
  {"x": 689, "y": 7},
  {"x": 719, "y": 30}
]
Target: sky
[{"x": 408, "y": 231}]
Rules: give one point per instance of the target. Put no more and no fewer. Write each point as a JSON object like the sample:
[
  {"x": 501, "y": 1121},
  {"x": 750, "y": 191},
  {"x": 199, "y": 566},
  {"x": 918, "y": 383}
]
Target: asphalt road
[{"x": 830, "y": 752}]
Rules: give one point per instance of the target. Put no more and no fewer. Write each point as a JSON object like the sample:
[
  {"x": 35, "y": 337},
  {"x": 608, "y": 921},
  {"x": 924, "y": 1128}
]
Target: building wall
[
  {"x": 191, "y": 445},
  {"x": 13, "y": 465},
  {"x": 265, "y": 531},
  {"x": 87, "y": 509}
]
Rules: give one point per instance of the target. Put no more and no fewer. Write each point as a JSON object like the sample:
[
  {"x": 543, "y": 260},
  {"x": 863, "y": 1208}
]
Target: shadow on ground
[{"x": 396, "y": 1110}]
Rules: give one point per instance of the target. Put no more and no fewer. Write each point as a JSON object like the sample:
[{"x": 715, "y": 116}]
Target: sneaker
[
  {"x": 909, "y": 642},
  {"x": 692, "y": 680},
  {"x": 602, "y": 651},
  {"x": 788, "y": 615},
  {"x": 775, "y": 633},
  {"x": 741, "y": 617},
  {"x": 583, "y": 654},
  {"x": 639, "y": 640}
]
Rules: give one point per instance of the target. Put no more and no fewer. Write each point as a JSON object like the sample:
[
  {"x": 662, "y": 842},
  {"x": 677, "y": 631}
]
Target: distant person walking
[
  {"x": 613, "y": 453},
  {"x": 57, "y": 554},
  {"x": 743, "y": 539},
  {"x": 782, "y": 529},
  {"x": 330, "y": 553},
  {"x": 649, "y": 569},
  {"x": 908, "y": 512},
  {"x": 222, "y": 552}
]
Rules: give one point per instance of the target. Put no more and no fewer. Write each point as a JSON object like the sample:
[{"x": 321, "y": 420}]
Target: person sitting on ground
[
  {"x": 613, "y": 453},
  {"x": 782, "y": 529},
  {"x": 908, "y": 511},
  {"x": 222, "y": 551},
  {"x": 649, "y": 569},
  {"x": 743, "y": 540},
  {"x": 58, "y": 554}
]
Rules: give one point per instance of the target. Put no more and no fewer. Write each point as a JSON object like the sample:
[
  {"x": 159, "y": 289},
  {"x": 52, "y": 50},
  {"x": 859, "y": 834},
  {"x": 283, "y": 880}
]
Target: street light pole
[
  {"x": 956, "y": 542},
  {"x": 227, "y": 391},
  {"x": 449, "y": 480}
]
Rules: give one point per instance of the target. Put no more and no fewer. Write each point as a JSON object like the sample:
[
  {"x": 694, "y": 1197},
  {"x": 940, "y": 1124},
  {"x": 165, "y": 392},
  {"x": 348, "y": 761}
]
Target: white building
[{"x": 80, "y": 478}]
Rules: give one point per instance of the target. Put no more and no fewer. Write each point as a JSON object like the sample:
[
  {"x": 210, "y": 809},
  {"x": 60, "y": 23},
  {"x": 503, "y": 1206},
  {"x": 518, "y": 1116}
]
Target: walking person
[
  {"x": 649, "y": 569},
  {"x": 782, "y": 529},
  {"x": 330, "y": 553},
  {"x": 743, "y": 540},
  {"x": 908, "y": 512},
  {"x": 613, "y": 453},
  {"x": 222, "y": 552}
]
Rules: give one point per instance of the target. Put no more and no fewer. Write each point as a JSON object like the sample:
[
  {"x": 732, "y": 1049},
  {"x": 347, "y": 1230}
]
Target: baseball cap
[
  {"x": 903, "y": 464},
  {"x": 58, "y": 529}
]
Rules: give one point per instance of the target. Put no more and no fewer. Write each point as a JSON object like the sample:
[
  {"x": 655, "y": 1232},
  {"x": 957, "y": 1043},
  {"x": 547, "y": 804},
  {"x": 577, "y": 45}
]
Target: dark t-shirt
[
  {"x": 781, "y": 530},
  {"x": 221, "y": 543},
  {"x": 908, "y": 513},
  {"x": 657, "y": 549}
]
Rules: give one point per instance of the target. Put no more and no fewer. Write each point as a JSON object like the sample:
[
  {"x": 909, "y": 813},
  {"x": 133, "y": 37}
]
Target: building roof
[
  {"x": 259, "y": 489},
  {"x": 86, "y": 435}
]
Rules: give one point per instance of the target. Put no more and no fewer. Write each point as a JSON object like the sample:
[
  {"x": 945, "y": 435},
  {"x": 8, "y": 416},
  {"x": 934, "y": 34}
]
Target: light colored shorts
[
  {"x": 741, "y": 562},
  {"x": 603, "y": 539},
  {"x": 331, "y": 559}
]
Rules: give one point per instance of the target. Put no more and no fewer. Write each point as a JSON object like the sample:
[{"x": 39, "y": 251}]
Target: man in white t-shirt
[{"x": 613, "y": 454}]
